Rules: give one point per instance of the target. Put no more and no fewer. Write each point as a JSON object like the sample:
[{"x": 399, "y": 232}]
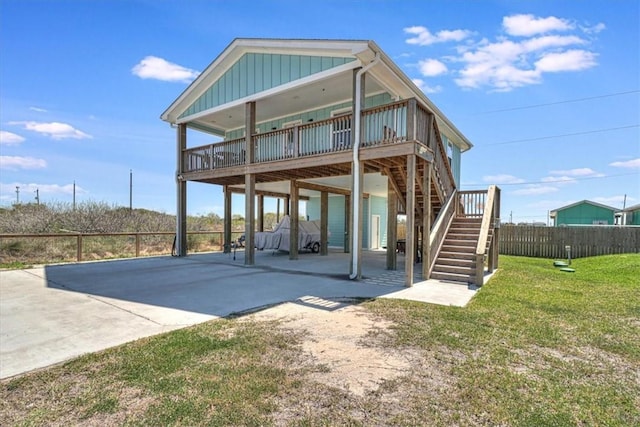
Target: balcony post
[
  {"x": 293, "y": 224},
  {"x": 409, "y": 256},
  {"x": 250, "y": 129},
  {"x": 227, "y": 220},
  {"x": 324, "y": 223},
  {"x": 181, "y": 192},
  {"x": 249, "y": 218},
  {"x": 411, "y": 119},
  {"x": 392, "y": 227}
]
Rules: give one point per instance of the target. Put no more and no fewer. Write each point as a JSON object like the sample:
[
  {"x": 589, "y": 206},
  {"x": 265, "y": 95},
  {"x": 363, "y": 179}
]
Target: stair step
[
  {"x": 456, "y": 255},
  {"x": 457, "y": 242},
  {"x": 462, "y": 236},
  {"x": 440, "y": 268},
  {"x": 452, "y": 277},
  {"x": 460, "y": 262},
  {"x": 458, "y": 248}
]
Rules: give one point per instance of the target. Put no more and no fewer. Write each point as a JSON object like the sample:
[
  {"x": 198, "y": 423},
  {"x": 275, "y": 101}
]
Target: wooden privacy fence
[{"x": 550, "y": 242}]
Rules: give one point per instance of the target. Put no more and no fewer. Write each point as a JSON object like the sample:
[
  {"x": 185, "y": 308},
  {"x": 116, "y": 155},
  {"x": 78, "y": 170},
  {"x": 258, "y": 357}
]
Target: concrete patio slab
[{"x": 54, "y": 313}]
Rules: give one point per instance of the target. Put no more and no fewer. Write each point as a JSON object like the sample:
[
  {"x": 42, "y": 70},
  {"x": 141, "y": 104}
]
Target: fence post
[
  {"x": 137, "y": 245},
  {"x": 79, "y": 247}
]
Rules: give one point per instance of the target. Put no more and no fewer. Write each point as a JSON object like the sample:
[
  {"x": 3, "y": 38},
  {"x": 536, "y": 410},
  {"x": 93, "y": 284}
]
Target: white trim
[{"x": 291, "y": 124}]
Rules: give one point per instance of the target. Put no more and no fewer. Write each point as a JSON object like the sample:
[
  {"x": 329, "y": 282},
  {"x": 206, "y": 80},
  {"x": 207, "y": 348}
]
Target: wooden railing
[
  {"x": 386, "y": 124},
  {"x": 472, "y": 204},
  {"x": 489, "y": 229}
]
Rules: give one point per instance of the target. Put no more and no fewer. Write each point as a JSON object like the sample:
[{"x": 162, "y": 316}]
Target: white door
[{"x": 375, "y": 231}]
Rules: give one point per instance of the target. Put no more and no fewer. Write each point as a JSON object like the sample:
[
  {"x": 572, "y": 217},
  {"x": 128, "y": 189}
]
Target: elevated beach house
[{"x": 337, "y": 123}]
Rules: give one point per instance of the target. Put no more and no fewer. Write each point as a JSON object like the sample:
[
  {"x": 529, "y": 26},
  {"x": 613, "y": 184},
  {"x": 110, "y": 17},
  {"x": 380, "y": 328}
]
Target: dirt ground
[{"x": 344, "y": 338}]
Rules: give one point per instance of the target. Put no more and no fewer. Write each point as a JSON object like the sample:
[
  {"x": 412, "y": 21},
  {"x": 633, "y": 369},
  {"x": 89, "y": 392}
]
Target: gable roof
[
  {"x": 630, "y": 208},
  {"x": 589, "y": 202},
  {"x": 386, "y": 76}
]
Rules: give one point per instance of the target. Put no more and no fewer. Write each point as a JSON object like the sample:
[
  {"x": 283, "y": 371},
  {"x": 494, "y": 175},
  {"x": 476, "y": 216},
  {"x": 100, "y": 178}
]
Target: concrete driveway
[{"x": 54, "y": 313}]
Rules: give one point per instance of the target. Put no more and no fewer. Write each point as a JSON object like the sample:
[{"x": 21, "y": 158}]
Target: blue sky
[{"x": 547, "y": 91}]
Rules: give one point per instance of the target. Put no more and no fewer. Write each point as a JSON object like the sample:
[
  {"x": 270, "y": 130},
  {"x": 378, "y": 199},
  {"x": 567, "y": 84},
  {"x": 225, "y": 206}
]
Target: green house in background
[
  {"x": 584, "y": 212},
  {"x": 629, "y": 216}
]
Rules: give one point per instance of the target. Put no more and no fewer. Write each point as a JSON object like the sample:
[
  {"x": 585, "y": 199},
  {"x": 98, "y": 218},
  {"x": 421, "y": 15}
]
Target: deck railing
[
  {"x": 472, "y": 203},
  {"x": 386, "y": 124},
  {"x": 488, "y": 240}
]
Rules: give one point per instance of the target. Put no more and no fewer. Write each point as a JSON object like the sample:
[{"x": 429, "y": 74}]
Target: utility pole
[
  {"x": 130, "y": 189},
  {"x": 37, "y": 196},
  {"x": 17, "y": 195},
  {"x": 74, "y": 196}
]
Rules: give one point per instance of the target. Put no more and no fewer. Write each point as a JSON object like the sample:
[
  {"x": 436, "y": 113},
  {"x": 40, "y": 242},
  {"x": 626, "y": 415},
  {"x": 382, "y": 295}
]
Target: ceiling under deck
[{"x": 299, "y": 97}]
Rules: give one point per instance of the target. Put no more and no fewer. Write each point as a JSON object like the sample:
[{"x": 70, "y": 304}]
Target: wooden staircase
[{"x": 456, "y": 261}]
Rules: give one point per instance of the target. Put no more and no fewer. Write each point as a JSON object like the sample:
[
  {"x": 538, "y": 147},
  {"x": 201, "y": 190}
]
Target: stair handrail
[
  {"x": 440, "y": 227},
  {"x": 487, "y": 220}
]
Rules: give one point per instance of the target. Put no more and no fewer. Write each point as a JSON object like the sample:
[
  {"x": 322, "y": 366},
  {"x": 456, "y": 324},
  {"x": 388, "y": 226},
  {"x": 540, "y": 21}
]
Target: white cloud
[
  {"x": 614, "y": 200},
  {"x": 54, "y": 130},
  {"x": 631, "y": 164},
  {"x": 422, "y": 85},
  {"x": 431, "y": 67},
  {"x": 521, "y": 58},
  {"x": 10, "y": 138},
  {"x": 571, "y": 60},
  {"x": 424, "y": 37},
  {"x": 17, "y": 162},
  {"x": 38, "y": 109},
  {"x": 559, "y": 179},
  {"x": 528, "y": 25},
  {"x": 535, "y": 189},
  {"x": 502, "y": 179},
  {"x": 595, "y": 29},
  {"x": 577, "y": 172},
  {"x": 153, "y": 67}
]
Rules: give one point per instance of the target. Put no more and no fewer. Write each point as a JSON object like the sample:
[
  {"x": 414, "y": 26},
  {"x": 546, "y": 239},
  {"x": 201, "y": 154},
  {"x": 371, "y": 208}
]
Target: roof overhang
[{"x": 330, "y": 87}]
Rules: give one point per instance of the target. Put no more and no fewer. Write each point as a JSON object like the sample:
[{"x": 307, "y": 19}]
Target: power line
[
  {"x": 560, "y": 135},
  {"x": 560, "y": 102},
  {"x": 555, "y": 181}
]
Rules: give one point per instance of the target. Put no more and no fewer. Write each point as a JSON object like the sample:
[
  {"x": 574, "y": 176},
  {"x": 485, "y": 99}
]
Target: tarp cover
[{"x": 278, "y": 239}]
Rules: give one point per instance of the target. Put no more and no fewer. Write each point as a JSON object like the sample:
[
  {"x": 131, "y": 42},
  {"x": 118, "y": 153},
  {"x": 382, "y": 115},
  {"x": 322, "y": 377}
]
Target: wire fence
[{"x": 54, "y": 248}]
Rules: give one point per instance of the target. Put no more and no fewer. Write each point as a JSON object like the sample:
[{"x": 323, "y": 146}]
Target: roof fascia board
[
  {"x": 600, "y": 205},
  {"x": 269, "y": 92}
]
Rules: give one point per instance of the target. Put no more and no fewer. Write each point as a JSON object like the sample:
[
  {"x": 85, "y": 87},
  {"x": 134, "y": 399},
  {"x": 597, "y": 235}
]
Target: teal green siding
[
  {"x": 453, "y": 151},
  {"x": 256, "y": 72},
  {"x": 584, "y": 214},
  {"x": 336, "y": 217},
  {"x": 336, "y": 221},
  {"x": 315, "y": 115},
  {"x": 635, "y": 218}
]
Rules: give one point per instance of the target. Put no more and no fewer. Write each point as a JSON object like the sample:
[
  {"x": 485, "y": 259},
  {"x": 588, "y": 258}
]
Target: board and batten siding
[
  {"x": 310, "y": 116},
  {"x": 335, "y": 221},
  {"x": 584, "y": 214},
  {"x": 256, "y": 72},
  {"x": 372, "y": 205}
]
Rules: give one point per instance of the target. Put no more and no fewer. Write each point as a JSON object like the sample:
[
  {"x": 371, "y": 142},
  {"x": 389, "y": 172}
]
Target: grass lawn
[{"x": 535, "y": 347}]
